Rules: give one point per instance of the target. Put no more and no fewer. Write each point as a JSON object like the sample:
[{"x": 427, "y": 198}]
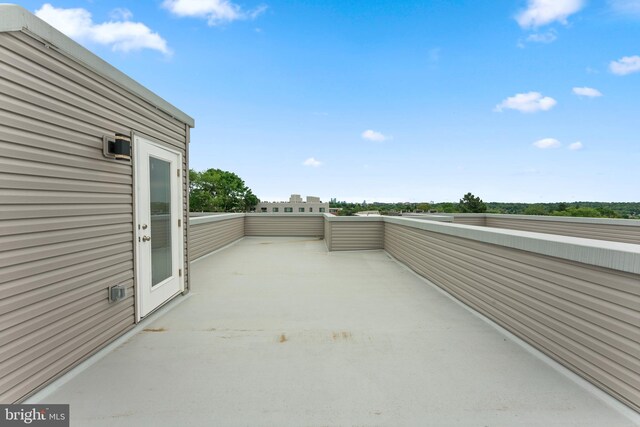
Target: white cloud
[
  {"x": 548, "y": 37},
  {"x": 547, "y": 143},
  {"x": 543, "y": 12},
  {"x": 576, "y": 146},
  {"x": 312, "y": 162},
  {"x": 214, "y": 11},
  {"x": 120, "y": 14},
  {"x": 589, "y": 92},
  {"x": 626, "y": 7},
  {"x": 75, "y": 23},
  {"x": 121, "y": 35},
  {"x": 529, "y": 102},
  {"x": 253, "y": 14},
  {"x": 372, "y": 135},
  {"x": 128, "y": 36},
  {"x": 625, "y": 65}
]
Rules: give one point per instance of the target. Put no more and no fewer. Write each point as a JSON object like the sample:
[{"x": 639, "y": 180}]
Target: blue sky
[{"x": 512, "y": 100}]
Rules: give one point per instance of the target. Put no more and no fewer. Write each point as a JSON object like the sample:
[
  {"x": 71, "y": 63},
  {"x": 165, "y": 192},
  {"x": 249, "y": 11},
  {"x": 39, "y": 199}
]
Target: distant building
[{"x": 294, "y": 205}]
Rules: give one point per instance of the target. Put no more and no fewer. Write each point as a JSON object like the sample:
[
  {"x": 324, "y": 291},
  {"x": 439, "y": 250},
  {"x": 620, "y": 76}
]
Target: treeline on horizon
[{"x": 629, "y": 210}]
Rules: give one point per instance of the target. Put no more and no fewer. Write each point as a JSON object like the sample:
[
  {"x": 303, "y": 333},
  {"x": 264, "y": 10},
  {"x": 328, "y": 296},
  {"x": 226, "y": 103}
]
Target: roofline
[{"x": 17, "y": 18}]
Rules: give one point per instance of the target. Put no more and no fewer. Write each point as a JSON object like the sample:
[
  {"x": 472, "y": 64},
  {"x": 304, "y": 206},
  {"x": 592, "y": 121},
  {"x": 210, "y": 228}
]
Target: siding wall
[
  {"x": 614, "y": 230},
  {"x": 626, "y": 231},
  {"x": 208, "y": 234},
  {"x": 478, "y": 220},
  {"x": 328, "y": 238},
  {"x": 350, "y": 234},
  {"x": 66, "y": 212},
  {"x": 303, "y": 225},
  {"x": 583, "y": 316}
]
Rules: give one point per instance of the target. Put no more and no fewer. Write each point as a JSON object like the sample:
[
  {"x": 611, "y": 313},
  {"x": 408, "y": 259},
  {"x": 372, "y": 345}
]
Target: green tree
[
  {"x": 537, "y": 209},
  {"x": 424, "y": 207},
  {"x": 447, "y": 208},
  {"x": 608, "y": 212},
  {"x": 472, "y": 204},
  {"x": 215, "y": 190},
  {"x": 579, "y": 211}
]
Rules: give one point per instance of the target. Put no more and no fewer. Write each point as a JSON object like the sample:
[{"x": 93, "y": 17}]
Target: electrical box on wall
[
  {"x": 117, "y": 147},
  {"x": 117, "y": 293}
]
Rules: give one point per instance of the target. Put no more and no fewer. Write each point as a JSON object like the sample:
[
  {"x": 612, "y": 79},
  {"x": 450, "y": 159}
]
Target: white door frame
[{"x": 148, "y": 297}]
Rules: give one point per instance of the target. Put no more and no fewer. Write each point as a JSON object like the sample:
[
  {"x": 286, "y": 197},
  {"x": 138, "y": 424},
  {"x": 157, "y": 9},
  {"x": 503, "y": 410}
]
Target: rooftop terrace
[{"x": 277, "y": 331}]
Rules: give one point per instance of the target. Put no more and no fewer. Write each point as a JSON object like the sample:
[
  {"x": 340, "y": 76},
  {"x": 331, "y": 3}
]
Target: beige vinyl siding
[
  {"x": 478, "y": 220},
  {"x": 66, "y": 212},
  {"x": 583, "y": 316},
  {"x": 625, "y": 231},
  {"x": 613, "y": 230},
  {"x": 327, "y": 232},
  {"x": 210, "y": 236},
  {"x": 356, "y": 235},
  {"x": 305, "y": 225}
]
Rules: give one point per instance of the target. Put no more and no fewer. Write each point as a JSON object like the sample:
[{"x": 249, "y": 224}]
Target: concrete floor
[{"x": 279, "y": 332}]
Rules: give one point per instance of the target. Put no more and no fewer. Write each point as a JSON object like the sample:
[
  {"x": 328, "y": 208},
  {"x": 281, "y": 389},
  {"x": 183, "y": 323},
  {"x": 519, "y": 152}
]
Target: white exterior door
[{"x": 159, "y": 237}]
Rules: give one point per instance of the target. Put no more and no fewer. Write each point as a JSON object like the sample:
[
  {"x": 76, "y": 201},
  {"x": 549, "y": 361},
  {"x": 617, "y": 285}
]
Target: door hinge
[
  {"x": 178, "y": 171},
  {"x": 179, "y": 223},
  {"x": 180, "y": 272}
]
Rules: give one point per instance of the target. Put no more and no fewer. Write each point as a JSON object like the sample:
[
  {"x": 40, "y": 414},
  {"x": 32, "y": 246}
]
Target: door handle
[{"x": 146, "y": 238}]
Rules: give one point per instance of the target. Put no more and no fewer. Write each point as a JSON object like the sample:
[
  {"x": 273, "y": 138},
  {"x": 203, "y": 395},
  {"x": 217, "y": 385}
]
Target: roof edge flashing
[{"x": 16, "y": 18}]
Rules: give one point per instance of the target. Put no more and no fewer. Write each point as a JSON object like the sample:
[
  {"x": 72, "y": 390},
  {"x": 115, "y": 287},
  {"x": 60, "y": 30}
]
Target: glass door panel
[{"x": 161, "y": 220}]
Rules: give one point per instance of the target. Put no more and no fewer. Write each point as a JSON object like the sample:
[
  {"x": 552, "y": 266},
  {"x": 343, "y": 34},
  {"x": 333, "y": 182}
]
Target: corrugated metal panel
[
  {"x": 284, "y": 225},
  {"x": 585, "y": 317},
  {"x": 208, "y": 237},
  {"x": 356, "y": 235},
  {"x": 615, "y": 233},
  {"x": 66, "y": 212}
]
